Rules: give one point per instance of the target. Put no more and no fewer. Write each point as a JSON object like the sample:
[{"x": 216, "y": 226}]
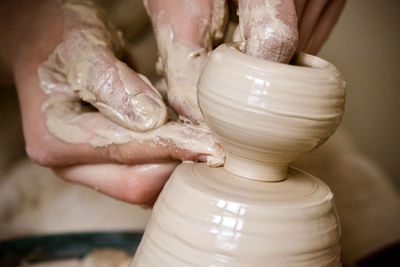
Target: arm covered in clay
[{"x": 61, "y": 53}]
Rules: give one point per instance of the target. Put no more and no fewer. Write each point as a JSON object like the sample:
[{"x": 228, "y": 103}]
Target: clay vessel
[
  {"x": 255, "y": 211},
  {"x": 268, "y": 114}
]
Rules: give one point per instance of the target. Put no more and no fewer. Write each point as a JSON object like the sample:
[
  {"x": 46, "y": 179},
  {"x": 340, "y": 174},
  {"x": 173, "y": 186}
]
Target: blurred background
[
  {"x": 365, "y": 47},
  {"x": 359, "y": 163}
]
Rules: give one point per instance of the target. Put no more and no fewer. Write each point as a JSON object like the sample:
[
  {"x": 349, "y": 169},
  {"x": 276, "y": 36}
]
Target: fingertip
[
  {"x": 122, "y": 95},
  {"x": 202, "y": 158},
  {"x": 271, "y": 34},
  {"x": 146, "y": 113},
  {"x": 146, "y": 109}
]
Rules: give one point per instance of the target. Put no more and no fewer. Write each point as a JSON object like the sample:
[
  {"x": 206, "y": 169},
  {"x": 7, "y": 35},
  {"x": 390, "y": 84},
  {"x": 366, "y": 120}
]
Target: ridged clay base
[{"x": 210, "y": 217}]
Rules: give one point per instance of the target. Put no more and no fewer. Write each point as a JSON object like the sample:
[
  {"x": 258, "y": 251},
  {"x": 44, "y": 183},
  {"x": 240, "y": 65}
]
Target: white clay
[
  {"x": 181, "y": 67},
  {"x": 209, "y": 217},
  {"x": 267, "y": 114},
  {"x": 181, "y": 64},
  {"x": 69, "y": 122}
]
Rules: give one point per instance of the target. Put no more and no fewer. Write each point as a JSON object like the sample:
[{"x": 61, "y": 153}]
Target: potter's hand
[
  {"x": 185, "y": 31},
  {"x": 69, "y": 52},
  {"x": 271, "y": 31}
]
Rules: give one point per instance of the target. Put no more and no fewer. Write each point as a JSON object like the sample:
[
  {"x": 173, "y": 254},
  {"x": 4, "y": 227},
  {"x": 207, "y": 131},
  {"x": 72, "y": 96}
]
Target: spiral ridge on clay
[
  {"x": 207, "y": 217},
  {"x": 268, "y": 112}
]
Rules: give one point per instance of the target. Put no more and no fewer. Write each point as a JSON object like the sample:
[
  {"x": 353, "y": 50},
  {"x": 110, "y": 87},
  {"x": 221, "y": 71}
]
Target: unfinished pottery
[{"x": 256, "y": 210}]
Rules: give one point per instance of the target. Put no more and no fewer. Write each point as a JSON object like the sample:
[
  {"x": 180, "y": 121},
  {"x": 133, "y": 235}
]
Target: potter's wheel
[
  {"x": 47, "y": 248},
  {"x": 64, "y": 247}
]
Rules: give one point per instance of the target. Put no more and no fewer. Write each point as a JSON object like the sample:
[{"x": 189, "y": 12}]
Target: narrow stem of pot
[{"x": 254, "y": 169}]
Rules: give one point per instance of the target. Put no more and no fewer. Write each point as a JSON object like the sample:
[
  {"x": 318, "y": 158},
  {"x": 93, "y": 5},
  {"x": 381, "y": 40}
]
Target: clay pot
[{"x": 267, "y": 114}]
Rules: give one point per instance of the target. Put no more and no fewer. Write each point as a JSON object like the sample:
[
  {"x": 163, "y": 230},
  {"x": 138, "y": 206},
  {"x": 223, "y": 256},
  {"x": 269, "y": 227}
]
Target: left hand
[{"x": 45, "y": 57}]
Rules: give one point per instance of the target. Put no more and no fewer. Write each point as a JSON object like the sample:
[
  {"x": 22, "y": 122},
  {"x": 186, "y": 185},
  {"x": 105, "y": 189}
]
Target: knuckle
[
  {"x": 114, "y": 154},
  {"x": 40, "y": 155},
  {"x": 43, "y": 151}
]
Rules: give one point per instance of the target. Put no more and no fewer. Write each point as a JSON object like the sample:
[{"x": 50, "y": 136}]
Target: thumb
[
  {"x": 86, "y": 62},
  {"x": 269, "y": 29},
  {"x": 119, "y": 93}
]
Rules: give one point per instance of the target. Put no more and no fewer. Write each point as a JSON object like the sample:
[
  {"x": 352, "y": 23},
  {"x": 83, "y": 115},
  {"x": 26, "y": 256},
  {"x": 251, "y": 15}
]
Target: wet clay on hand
[
  {"x": 267, "y": 29},
  {"x": 185, "y": 31},
  {"x": 83, "y": 67}
]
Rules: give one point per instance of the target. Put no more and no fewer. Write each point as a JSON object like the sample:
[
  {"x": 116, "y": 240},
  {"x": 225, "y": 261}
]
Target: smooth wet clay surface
[{"x": 256, "y": 211}]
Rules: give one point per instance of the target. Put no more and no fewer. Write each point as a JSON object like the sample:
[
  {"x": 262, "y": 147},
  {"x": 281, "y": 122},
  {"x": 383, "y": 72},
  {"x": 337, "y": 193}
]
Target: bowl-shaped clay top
[{"x": 268, "y": 114}]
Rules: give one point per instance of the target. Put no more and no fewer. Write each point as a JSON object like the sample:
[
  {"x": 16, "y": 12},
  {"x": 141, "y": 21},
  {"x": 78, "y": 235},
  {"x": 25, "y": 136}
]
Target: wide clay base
[{"x": 210, "y": 217}]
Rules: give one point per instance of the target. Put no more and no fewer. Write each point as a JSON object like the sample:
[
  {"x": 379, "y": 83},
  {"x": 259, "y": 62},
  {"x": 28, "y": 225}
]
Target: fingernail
[
  {"x": 146, "y": 113},
  {"x": 202, "y": 158}
]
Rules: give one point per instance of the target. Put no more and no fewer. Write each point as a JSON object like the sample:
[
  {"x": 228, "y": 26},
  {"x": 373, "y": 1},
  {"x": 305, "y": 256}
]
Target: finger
[
  {"x": 134, "y": 184},
  {"x": 268, "y": 29},
  {"x": 122, "y": 95},
  {"x": 173, "y": 140},
  {"x": 299, "y": 5},
  {"x": 62, "y": 133},
  {"x": 194, "y": 23},
  {"x": 86, "y": 59},
  {"x": 311, "y": 13},
  {"x": 185, "y": 32},
  {"x": 325, "y": 25}
]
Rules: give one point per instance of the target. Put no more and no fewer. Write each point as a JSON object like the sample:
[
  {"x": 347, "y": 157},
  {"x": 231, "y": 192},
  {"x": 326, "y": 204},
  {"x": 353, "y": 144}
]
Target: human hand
[
  {"x": 70, "y": 52},
  {"x": 274, "y": 30},
  {"x": 187, "y": 30}
]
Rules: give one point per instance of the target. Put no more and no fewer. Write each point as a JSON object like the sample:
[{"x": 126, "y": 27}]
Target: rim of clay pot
[
  {"x": 300, "y": 61},
  {"x": 308, "y": 71}
]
